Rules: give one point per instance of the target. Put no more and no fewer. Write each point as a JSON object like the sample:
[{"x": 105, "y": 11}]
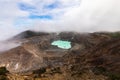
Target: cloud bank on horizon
[{"x": 58, "y": 15}]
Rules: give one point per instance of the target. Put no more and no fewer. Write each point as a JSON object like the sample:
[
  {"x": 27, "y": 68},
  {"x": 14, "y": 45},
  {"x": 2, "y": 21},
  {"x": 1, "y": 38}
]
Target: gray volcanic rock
[
  {"x": 37, "y": 55},
  {"x": 31, "y": 55},
  {"x": 18, "y": 60},
  {"x": 28, "y": 34},
  {"x": 36, "y": 52},
  {"x": 105, "y": 55}
]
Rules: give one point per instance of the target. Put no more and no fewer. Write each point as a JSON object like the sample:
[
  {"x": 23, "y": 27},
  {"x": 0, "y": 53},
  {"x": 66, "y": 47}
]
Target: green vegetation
[
  {"x": 3, "y": 71},
  {"x": 3, "y": 77},
  {"x": 113, "y": 76},
  {"x": 39, "y": 71},
  {"x": 99, "y": 70},
  {"x": 115, "y": 35},
  {"x": 102, "y": 70}
]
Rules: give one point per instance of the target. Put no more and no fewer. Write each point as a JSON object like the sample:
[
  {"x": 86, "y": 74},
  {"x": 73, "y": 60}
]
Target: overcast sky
[{"x": 58, "y": 15}]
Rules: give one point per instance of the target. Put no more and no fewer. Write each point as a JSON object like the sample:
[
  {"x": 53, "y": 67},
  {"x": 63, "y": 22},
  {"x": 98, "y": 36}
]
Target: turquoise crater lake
[{"x": 62, "y": 44}]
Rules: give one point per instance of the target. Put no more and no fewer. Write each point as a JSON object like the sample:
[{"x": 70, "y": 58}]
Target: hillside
[{"x": 92, "y": 56}]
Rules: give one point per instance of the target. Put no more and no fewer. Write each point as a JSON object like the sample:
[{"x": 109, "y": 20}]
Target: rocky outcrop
[
  {"x": 105, "y": 55},
  {"x": 19, "y": 60},
  {"x": 92, "y": 56},
  {"x": 102, "y": 59}
]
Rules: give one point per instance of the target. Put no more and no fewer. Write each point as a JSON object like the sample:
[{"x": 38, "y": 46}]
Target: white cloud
[
  {"x": 69, "y": 15},
  {"x": 93, "y": 15}
]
